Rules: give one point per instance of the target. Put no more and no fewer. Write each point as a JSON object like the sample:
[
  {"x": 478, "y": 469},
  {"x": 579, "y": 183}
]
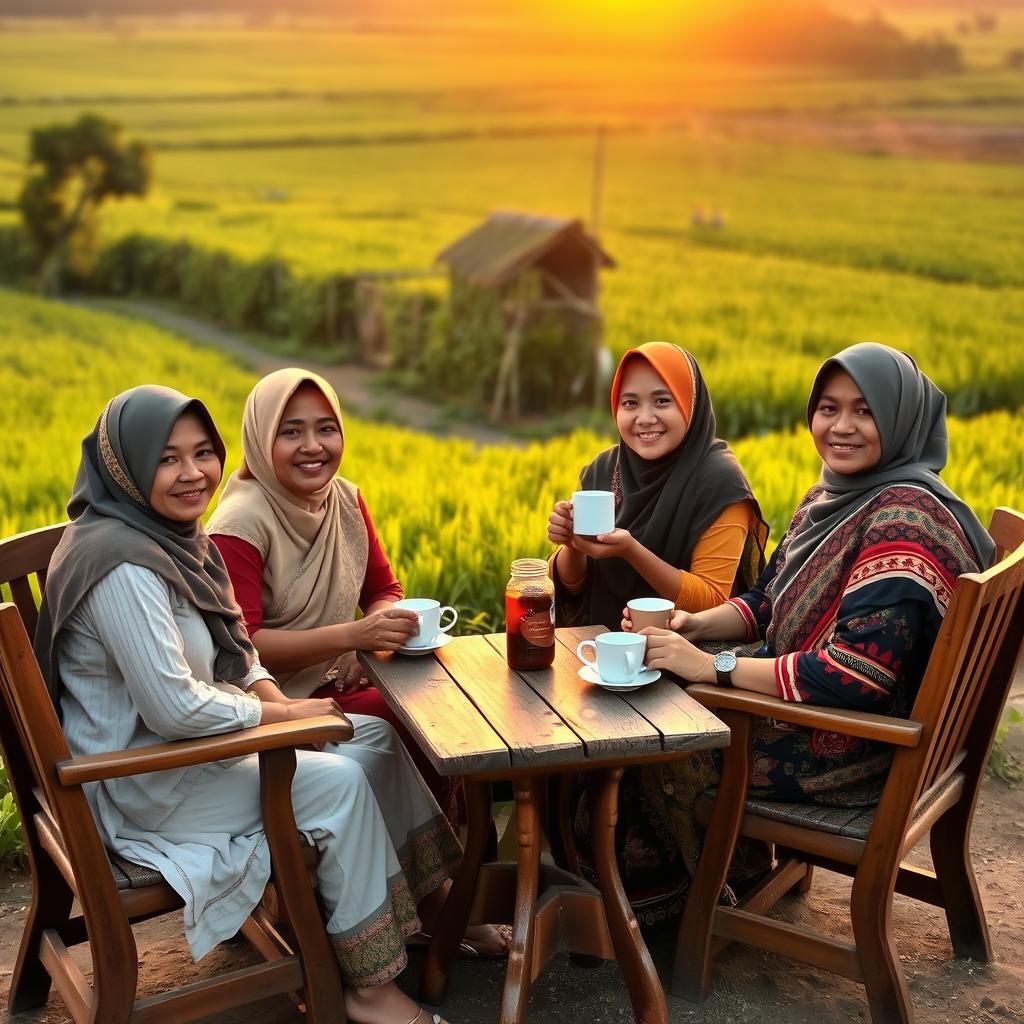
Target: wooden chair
[
  {"x": 940, "y": 756},
  {"x": 69, "y": 861}
]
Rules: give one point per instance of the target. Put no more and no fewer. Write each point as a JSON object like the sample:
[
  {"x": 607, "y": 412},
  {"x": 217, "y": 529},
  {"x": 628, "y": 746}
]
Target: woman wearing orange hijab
[{"x": 688, "y": 529}]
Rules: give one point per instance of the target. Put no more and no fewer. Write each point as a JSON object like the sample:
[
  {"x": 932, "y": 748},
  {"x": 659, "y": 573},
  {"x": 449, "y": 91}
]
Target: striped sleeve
[
  {"x": 754, "y": 606},
  {"x": 131, "y": 612}
]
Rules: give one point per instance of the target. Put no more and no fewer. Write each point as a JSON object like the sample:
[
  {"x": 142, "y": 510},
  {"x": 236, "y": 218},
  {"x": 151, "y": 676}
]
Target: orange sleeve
[{"x": 715, "y": 557}]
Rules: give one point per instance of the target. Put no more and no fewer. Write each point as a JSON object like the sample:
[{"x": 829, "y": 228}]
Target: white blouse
[{"x": 136, "y": 661}]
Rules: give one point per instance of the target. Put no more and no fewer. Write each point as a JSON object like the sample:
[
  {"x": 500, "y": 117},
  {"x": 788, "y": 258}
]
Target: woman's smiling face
[
  {"x": 308, "y": 445},
  {"x": 188, "y": 472},
  {"x": 647, "y": 415},
  {"x": 844, "y": 428}
]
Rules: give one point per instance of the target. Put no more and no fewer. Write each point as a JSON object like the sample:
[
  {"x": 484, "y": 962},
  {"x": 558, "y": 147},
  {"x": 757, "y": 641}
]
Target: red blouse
[{"x": 245, "y": 567}]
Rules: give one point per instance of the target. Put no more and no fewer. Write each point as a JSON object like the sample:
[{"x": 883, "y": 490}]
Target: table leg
[
  {"x": 451, "y": 924},
  {"x": 641, "y": 977},
  {"x": 518, "y": 974}
]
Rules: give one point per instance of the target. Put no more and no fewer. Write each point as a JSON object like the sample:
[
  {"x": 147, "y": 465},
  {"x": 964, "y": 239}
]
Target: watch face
[{"x": 725, "y": 662}]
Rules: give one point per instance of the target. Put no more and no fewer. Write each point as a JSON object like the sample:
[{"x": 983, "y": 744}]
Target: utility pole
[{"x": 597, "y": 323}]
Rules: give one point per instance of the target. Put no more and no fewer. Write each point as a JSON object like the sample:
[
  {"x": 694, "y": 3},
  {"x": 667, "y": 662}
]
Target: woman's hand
[
  {"x": 669, "y": 651},
  {"x": 384, "y": 630},
  {"x": 686, "y": 624},
  {"x": 560, "y": 524},
  {"x": 617, "y": 544},
  {"x": 350, "y": 676},
  {"x": 313, "y": 707}
]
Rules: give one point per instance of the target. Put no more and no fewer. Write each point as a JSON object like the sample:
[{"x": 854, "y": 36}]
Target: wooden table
[{"x": 476, "y": 717}]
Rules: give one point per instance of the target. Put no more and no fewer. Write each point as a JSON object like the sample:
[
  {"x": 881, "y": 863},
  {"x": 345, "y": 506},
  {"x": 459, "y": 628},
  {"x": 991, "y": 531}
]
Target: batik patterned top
[{"x": 854, "y": 629}]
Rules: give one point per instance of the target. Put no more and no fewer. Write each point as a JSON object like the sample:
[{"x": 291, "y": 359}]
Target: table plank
[
  {"x": 532, "y": 731},
  {"x": 608, "y": 726},
  {"x": 450, "y": 730},
  {"x": 684, "y": 724}
]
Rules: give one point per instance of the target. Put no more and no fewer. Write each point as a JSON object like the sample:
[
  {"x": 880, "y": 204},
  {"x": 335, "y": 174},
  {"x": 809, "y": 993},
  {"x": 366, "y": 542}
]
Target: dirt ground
[{"x": 748, "y": 985}]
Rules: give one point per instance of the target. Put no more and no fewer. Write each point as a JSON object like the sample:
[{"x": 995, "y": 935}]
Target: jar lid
[{"x": 529, "y": 567}]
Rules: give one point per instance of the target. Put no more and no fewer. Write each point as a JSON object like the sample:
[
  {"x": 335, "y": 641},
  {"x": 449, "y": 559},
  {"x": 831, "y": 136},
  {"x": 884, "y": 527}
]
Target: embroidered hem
[
  {"x": 374, "y": 953},
  {"x": 430, "y": 856}
]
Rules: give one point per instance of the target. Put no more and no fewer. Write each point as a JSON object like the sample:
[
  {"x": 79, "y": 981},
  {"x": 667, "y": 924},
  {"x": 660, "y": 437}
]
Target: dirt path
[
  {"x": 354, "y": 384},
  {"x": 749, "y": 987}
]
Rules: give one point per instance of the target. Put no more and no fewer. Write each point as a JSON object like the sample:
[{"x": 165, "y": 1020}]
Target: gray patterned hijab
[
  {"x": 113, "y": 522},
  {"x": 910, "y": 414}
]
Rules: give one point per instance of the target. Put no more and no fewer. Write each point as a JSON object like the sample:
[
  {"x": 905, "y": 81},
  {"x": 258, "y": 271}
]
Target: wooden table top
[{"x": 473, "y": 715}]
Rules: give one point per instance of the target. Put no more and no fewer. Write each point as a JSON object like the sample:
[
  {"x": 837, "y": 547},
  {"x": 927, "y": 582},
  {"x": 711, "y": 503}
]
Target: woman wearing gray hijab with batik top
[
  {"x": 849, "y": 606},
  {"x": 141, "y": 641}
]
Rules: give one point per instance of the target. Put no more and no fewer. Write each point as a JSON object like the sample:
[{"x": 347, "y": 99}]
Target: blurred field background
[
  {"x": 763, "y": 212},
  {"x": 848, "y": 206}
]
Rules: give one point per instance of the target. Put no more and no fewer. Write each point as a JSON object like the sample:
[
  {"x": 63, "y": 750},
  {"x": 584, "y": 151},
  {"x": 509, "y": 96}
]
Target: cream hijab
[{"x": 314, "y": 550}]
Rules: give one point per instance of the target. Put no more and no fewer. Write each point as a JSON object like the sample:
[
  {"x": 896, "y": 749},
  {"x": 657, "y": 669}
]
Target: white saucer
[
  {"x": 438, "y": 642},
  {"x": 649, "y": 675}
]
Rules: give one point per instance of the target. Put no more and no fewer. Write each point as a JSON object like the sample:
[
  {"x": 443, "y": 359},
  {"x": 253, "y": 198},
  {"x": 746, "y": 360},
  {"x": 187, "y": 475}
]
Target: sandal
[
  {"x": 503, "y": 930},
  {"x": 467, "y": 949},
  {"x": 435, "y": 1018}
]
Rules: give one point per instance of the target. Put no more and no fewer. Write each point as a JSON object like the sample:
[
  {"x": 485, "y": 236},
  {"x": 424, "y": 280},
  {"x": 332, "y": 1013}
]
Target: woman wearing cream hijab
[{"x": 303, "y": 556}]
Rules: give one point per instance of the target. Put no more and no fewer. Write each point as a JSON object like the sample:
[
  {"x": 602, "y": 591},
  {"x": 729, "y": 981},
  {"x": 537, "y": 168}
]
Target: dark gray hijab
[
  {"x": 113, "y": 522},
  {"x": 910, "y": 414}
]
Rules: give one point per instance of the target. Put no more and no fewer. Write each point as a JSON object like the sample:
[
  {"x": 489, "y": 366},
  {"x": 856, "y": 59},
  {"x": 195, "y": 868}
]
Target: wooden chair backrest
[
  {"x": 27, "y": 704},
  {"x": 22, "y": 557},
  {"x": 972, "y": 664},
  {"x": 33, "y": 742}
]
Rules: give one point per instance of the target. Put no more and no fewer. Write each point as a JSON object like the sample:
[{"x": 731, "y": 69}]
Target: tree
[{"x": 76, "y": 167}]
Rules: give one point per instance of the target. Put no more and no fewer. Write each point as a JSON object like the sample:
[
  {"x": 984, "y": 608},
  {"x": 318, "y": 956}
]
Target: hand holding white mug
[
  {"x": 686, "y": 624},
  {"x": 671, "y": 652},
  {"x": 560, "y": 524},
  {"x": 384, "y": 630}
]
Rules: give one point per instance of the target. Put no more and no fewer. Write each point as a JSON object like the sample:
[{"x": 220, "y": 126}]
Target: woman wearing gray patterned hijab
[
  {"x": 848, "y": 609},
  {"x": 113, "y": 521}
]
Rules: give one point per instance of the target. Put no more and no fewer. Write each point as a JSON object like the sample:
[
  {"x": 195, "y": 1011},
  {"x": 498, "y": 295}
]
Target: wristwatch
[{"x": 725, "y": 662}]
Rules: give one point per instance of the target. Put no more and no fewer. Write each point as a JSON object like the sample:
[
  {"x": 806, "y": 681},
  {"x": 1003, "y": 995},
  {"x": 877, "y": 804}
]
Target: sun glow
[{"x": 633, "y": 17}]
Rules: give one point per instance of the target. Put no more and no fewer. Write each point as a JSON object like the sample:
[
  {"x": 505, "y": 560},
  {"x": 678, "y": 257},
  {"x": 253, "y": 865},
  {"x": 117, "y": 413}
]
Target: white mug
[
  {"x": 620, "y": 656},
  {"x": 650, "y": 611},
  {"x": 593, "y": 513},
  {"x": 429, "y": 613}
]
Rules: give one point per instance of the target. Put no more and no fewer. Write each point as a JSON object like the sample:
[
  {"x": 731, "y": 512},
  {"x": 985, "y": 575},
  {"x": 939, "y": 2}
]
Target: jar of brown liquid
[{"x": 530, "y": 615}]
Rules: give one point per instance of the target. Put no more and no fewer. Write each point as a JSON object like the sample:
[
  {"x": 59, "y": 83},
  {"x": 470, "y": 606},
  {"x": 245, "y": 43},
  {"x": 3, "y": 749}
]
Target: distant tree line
[
  {"x": 806, "y": 32},
  {"x": 803, "y": 32}
]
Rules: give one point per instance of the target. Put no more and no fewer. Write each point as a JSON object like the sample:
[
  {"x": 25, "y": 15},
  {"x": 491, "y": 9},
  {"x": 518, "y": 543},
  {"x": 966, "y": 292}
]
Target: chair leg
[
  {"x": 51, "y": 908},
  {"x": 884, "y": 982},
  {"x": 805, "y": 883},
  {"x": 691, "y": 972},
  {"x": 950, "y": 845}
]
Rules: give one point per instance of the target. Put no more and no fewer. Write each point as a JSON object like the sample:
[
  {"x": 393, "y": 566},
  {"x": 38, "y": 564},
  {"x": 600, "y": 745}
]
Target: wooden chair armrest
[
  {"x": 900, "y": 732},
  {"x": 183, "y": 753}
]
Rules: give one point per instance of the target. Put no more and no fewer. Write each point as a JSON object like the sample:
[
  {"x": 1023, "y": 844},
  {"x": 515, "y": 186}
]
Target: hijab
[
  {"x": 113, "y": 522},
  {"x": 315, "y": 547},
  {"x": 910, "y": 414},
  {"x": 667, "y": 503}
]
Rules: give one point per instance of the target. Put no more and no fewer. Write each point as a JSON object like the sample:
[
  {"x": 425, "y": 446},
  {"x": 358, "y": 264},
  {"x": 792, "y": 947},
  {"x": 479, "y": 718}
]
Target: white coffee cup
[
  {"x": 619, "y": 656},
  {"x": 429, "y": 613},
  {"x": 593, "y": 513},
  {"x": 650, "y": 611}
]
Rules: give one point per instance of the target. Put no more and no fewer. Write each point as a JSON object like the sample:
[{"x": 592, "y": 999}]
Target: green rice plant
[{"x": 451, "y": 515}]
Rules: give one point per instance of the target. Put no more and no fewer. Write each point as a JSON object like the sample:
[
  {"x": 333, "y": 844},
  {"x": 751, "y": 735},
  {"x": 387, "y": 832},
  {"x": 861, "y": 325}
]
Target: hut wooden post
[{"x": 506, "y": 390}]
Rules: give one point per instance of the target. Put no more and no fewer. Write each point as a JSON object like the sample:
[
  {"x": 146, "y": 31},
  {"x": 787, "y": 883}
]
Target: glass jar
[{"x": 530, "y": 615}]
